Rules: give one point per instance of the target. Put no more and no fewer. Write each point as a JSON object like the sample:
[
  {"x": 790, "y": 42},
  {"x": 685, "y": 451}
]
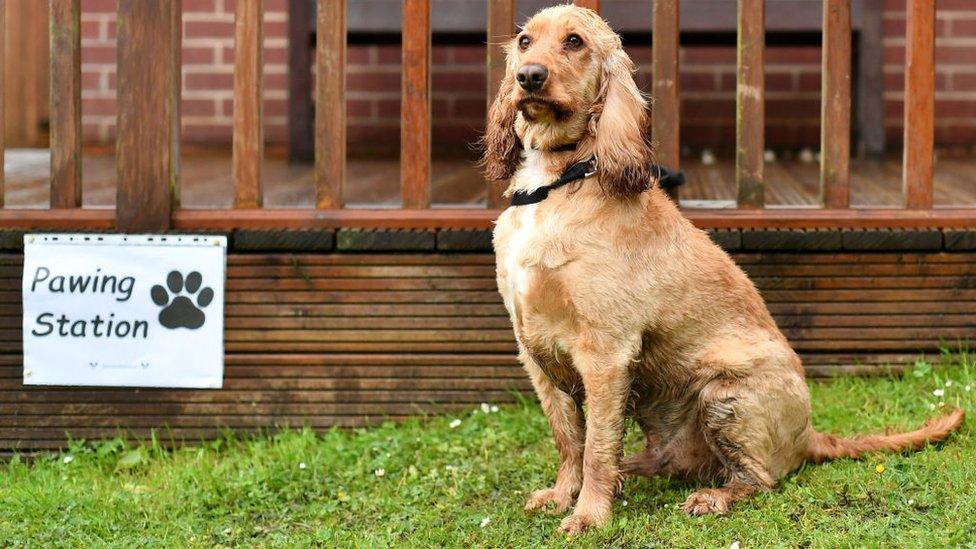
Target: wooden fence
[
  {"x": 326, "y": 339},
  {"x": 149, "y": 42}
]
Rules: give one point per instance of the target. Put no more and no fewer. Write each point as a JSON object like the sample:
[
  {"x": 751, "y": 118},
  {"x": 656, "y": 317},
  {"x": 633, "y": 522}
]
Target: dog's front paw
[
  {"x": 581, "y": 520},
  {"x": 553, "y": 500},
  {"x": 707, "y": 502}
]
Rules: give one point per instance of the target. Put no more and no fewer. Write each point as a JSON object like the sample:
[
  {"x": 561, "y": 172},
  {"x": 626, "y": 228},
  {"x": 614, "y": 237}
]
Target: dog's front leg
[
  {"x": 566, "y": 421},
  {"x": 606, "y": 380}
]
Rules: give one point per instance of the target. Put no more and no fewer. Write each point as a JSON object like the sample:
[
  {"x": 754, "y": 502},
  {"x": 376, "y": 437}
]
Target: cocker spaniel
[{"x": 622, "y": 307}]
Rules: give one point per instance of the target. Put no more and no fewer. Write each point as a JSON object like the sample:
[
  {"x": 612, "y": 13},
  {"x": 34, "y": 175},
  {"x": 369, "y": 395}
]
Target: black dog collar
[
  {"x": 666, "y": 179},
  {"x": 579, "y": 170}
]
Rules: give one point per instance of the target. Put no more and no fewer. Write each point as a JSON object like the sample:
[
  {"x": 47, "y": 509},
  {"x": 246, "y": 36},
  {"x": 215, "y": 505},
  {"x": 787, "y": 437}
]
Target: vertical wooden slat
[
  {"x": 65, "y": 103},
  {"x": 147, "y": 152},
  {"x": 415, "y": 108},
  {"x": 501, "y": 26},
  {"x": 835, "y": 106},
  {"x": 330, "y": 104},
  {"x": 27, "y": 72},
  {"x": 592, "y": 4},
  {"x": 665, "y": 123},
  {"x": 749, "y": 107},
  {"x": 919, "y": 104},
  {"x": 3, "y": 118},
  {"x": 248, "y": 133}
]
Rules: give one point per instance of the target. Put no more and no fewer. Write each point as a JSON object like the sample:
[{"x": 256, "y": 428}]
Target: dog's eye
[
  {"x": 524, "y": 42},
  {"x": 573, "y": 42}
]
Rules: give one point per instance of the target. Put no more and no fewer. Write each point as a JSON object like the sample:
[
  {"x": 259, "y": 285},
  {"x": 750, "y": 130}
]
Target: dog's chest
[{"x": 531, "y": 245}]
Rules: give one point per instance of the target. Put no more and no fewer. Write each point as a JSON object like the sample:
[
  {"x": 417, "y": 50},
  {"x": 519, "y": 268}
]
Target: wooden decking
[{"x": 207, "y": 183}]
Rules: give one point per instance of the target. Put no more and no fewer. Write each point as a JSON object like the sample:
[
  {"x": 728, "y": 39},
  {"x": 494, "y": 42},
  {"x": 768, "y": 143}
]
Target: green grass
[{"x": 440, "y": 483}]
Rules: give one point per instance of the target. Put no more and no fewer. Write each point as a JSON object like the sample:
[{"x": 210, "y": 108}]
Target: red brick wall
[
  {"x": 208, "y": 70},
  {"x": 708, "y": 82}
]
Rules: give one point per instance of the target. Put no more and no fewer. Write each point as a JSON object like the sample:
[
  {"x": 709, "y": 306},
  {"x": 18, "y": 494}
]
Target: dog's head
[{"x": 568, "y": 78}]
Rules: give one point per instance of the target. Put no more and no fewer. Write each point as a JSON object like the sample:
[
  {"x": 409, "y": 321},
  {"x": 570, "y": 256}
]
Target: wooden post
[
  {"x": 592, "y": 4},
  {"x": 330, "y": 104},
  {"x": 415, "y": 108},
  {"x": 148, "y": 114},
  {"x": 665, "y": 123},
  {"x": 749, "y": 107},
  {"x": 248, "y": 75},
  {"x": 919, "y": 104},
  {"x": 835, "y": 105},
  {"x": 65, "y": 55},
  {"x": 501, "y": 27},
  {"x": 3, "y": 118},
  {"x": 27, "y": 59}
]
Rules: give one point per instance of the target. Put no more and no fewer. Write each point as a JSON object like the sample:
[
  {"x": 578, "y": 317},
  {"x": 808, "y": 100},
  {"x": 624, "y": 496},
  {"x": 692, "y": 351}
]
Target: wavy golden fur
[{"x": 619, "y": 303}]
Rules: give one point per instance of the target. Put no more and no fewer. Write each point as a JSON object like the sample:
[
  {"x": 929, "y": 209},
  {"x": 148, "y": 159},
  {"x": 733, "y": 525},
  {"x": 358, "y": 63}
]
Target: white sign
[{"x": 124, "y": 310}]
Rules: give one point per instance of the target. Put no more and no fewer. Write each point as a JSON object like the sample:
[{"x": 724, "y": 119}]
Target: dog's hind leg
[
  {"x": 731, "y": 426},
  {"x": 568, "y": 429}
]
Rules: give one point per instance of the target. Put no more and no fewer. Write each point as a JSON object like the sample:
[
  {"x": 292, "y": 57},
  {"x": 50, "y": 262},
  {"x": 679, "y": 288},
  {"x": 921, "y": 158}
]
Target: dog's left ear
[{"x": 619, "y": 126}]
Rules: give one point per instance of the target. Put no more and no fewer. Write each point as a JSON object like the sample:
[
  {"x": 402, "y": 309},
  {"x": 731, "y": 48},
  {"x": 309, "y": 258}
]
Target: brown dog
[{"x": 619, "y": 302}]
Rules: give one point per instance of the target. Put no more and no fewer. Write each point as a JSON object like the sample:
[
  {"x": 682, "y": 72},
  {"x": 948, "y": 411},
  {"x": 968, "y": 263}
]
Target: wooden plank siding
[
  {"x": 147, "y": 148},
  {"x": 919, "y": 104},
  {"x": 248, "y": 147},
  {"x": 330, "y": 104},
  {"x": 65, "y": 35},
  {"x": 349, "y": 339},
  {"x": 750, "y": 104},
  {"x": 415, "y": 106},
  {"x": 665, "y": 122},
  {"x": 501, "y": 28},
  {"x": 835, "y": 111}
]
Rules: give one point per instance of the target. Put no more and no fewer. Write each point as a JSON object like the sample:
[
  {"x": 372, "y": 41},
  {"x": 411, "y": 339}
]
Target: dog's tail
[{"x": 824, "y": 446}]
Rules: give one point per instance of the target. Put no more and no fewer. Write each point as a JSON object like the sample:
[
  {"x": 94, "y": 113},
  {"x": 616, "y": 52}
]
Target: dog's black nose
[{"x": 532, "y": 77}]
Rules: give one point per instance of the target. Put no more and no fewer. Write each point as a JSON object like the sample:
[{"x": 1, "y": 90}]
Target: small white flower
[
  {"x": 931, "y": 406},
  {"x": 379, "y": 472},
  {"x": 485, "y": 521},
  {"x": 485, "y": 407},
  {"x": 494, "y": 408},
  {"x": 948, "y": 383},
  {"x": 911, "y": 502},
  {"x": 624, "y": 503},
  {"x": 68, "y": 459},
  {"x": 938, "y": 392},
  {"x": 735, "y": 545},
  {"x": 969, "y": 388},
  {"x": 454, "y": 423},
  {"x": 302, "y": 465}
]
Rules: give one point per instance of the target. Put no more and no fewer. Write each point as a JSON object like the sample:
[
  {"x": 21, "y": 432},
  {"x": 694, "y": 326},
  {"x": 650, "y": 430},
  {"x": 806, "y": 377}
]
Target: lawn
[{"x": 460, "y": 480}]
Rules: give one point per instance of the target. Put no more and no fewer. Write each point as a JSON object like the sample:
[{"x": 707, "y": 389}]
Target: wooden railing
[{"x": 149, "y": 39}]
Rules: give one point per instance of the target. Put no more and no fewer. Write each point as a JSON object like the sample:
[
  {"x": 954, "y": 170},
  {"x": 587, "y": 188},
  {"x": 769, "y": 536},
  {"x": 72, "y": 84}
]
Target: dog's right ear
[{"x": 500, "y": 144}]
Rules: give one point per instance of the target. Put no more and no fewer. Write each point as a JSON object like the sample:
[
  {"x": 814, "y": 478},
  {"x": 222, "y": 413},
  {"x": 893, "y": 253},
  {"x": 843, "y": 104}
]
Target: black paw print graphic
[{"x": 180, "y": 311}]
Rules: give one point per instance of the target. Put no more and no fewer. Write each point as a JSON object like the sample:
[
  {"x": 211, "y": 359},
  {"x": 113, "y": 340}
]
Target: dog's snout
[{"x": 532, "y": 77}]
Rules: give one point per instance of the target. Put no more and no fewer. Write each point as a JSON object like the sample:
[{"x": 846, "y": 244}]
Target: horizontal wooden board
[{"x": 352, "y": 339}]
